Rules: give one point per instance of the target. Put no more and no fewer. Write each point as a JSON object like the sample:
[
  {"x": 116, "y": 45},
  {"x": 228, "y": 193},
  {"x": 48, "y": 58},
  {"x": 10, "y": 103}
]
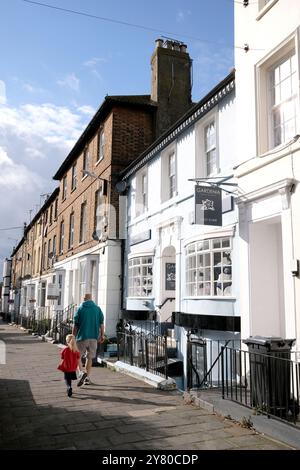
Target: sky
[{"x": 57, "y": 67}]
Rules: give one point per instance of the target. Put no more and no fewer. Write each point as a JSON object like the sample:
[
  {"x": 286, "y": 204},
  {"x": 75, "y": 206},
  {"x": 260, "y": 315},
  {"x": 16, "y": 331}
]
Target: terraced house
[{"x": 83, "y": 253}]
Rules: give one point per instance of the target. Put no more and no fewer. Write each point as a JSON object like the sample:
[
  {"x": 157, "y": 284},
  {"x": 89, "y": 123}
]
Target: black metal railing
[
  {"x": 62, "y": 323},
  {"x": 44, "y": 321},
  {"x": 203, "y": 361},
  {"x": 150, "y": 327},
  {"x": 147, "y": 351},
  {"x": 267, "y": 383}
]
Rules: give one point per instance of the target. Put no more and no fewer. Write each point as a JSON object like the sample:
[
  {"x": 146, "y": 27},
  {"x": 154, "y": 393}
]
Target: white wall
[
  {"x": 171, "y": 221},
  {"x": 266, "y": 279},
  {"x": 265, "y": 32},
  {"x": 262, "y": 35}
]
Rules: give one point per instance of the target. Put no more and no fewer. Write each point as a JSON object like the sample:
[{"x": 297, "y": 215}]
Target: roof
[
  {"x": 36, "y": 217},
  {"x": 142, "y": 101},
  {"x": 188, "y": 119}
]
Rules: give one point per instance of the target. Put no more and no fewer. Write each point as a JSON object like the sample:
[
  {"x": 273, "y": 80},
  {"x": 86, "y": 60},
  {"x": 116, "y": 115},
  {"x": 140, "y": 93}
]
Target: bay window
[
  {"x": 140, "y": 273},
  {"x": 209, "y": 268}
]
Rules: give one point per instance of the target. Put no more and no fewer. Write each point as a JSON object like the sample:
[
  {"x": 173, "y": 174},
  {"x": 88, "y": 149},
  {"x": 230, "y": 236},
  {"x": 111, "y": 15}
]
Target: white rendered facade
[
  {"x": 167, "y": 255},
  {"x": 268, "y": 166}
]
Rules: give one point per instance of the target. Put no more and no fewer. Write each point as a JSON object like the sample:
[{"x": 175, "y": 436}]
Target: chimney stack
[{"x": 171, "y": 82}]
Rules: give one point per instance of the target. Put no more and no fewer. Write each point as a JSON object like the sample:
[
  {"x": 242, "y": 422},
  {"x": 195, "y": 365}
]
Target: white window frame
[
  {"x": 71, "y": 231},
  {"x": 265, "y": 142},
  {"x": 264, "y": 6},
  {"x": 61, "y": 236},
  {"x": 74, "y": 177},
  {"x": 100, "y": 145},
  {"x": 83, "y": 222},
  {"x": 200, "y": 280},
  {"x": 86, "y": 160},
  {"x": 140, "y": 279},
  {"x": 64, "y": 189},
  {"x": 141, "y": 199},
  {"x": 200, "y": 153},
  {"x": 165, "y": 173}
]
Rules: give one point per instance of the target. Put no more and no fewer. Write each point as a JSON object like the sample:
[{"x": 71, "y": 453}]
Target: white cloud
[
  {"x": 2, "y": 92},
  {"x": 93, "y": 61},
  {"x": 182, "y": 15},
  {"x": 86, "y": 109},
  {"x": 35, "y": 139},
  {"x": 211, "y": 65},
  {"x": 34, "y": 153},
  {"x": 92, "y": 64},
  {"x": 32, "y": 88},
  {"x": 16, "y": 176},
  {"x": 70, "y": 81}
]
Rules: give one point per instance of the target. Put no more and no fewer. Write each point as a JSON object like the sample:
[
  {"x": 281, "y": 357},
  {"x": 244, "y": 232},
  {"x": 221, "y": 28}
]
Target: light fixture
[{"x": 93, "y": 175}]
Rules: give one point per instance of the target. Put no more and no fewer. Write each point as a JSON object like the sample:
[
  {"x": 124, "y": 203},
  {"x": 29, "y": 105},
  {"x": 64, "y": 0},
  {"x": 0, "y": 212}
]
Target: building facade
[
  {"x": 268, "y": 166},
  {"x": 175, "y": 265},
  {"x": 82, "y": 251}
]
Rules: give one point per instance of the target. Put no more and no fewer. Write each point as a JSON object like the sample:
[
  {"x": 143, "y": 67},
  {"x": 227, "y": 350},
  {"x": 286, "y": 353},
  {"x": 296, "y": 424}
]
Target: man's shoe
[
  {"x": 87, "y": 381},
  {"x": 69, "y": 392},
  {"x": 81, "y": 379}
]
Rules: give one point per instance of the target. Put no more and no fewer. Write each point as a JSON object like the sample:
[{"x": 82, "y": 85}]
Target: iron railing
[
  {"x": 147, "y": 351},
  {"x": 203, "y": 361},
  {"x": 44, "y": 321},
  {"x": 269, "y": 384}
]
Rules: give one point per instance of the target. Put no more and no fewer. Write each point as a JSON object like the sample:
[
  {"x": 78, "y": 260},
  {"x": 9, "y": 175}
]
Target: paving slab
[{"x": 116, "y": 412}]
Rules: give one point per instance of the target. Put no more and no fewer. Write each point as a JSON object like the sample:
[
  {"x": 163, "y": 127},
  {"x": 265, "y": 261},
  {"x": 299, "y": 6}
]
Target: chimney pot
[
  {"x": 183, "y": 47},
  {"x": 159, "y": 43}
]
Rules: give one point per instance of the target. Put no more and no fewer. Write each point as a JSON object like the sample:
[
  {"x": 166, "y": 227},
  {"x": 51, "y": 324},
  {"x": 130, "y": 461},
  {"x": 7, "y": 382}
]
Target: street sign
[{"x": 208, "y": 205}]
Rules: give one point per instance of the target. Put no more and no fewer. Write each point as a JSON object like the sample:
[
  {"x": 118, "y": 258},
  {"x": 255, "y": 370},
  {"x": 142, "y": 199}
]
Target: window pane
[{"x": 217, "y": 243}]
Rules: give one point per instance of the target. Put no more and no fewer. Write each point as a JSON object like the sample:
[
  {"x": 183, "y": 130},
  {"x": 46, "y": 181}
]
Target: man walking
[{"x": 88, "y": 329}]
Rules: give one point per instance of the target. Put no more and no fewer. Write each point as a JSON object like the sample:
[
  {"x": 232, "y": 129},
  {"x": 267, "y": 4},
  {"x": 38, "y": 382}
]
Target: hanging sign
[{"x": 208, "y": 205}]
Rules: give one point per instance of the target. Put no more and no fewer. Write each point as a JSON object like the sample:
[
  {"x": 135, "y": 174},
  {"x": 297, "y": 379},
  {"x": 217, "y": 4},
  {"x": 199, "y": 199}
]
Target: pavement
[{"x": 116, "y": 412}]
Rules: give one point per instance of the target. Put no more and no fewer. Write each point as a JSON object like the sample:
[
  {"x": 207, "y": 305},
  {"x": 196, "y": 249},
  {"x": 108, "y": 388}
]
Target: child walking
[{"x": 70, "y": 358}]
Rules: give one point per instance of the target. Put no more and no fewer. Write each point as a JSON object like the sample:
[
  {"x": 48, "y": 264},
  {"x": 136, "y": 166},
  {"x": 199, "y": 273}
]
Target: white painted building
[
  {"x": 173, "y": 264},
  {"x": 268, "y": 165}
]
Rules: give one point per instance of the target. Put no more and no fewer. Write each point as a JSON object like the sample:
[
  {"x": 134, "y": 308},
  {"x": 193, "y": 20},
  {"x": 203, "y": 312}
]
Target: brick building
[{"x": 82, "y": 251}]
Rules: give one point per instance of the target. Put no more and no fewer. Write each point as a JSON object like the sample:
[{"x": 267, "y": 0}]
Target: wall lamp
[{"x": 93, "y": 175}]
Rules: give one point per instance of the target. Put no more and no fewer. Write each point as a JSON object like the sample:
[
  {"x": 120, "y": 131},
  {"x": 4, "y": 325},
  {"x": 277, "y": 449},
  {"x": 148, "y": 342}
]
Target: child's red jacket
[{"x": 69, "y": 361}]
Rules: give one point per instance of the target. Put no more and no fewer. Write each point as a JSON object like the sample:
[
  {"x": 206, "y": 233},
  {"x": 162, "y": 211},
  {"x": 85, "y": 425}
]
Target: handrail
[
  {"x": 165, "y": 301},
  {"x": 213, "y": 364}
]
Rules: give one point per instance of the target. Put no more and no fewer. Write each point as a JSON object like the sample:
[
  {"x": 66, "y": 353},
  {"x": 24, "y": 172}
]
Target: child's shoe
[{"x": 69, "y": 392}]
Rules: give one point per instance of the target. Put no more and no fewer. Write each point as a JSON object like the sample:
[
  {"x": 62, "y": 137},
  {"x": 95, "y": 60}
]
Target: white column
[{"x": 244, "y": 271}]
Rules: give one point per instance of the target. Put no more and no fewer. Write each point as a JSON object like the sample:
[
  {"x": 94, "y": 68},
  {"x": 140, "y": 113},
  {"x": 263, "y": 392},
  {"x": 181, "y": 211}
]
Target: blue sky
[{"x": 57, "y": 67}]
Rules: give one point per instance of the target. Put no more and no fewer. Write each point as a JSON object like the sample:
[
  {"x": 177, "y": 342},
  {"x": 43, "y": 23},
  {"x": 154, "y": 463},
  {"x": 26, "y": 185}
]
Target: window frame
[
  {"x": 64, "y": 188},
  {"x": 74, "y": 177},
  {"x": 71, "y": 231},
  {"x": 138, "y": 283},
  {"x": 83, "y": 222},
  {"x": 200, "y": 151},
  {"x": 264, "y": 139},
  {"x": 264, "y": 6},
  {"x": 209, "y": 284},
  {"x": 100, "y": 145},
  {"x": 165, "y": 189},
  {"x": 86, "y": 160},
  {"x": 61, "y": 236}
]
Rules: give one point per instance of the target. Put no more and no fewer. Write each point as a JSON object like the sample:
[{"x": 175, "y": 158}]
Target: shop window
[
  {"x": 140, "y": 276},
  {"x": 209, "y": 268}
]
